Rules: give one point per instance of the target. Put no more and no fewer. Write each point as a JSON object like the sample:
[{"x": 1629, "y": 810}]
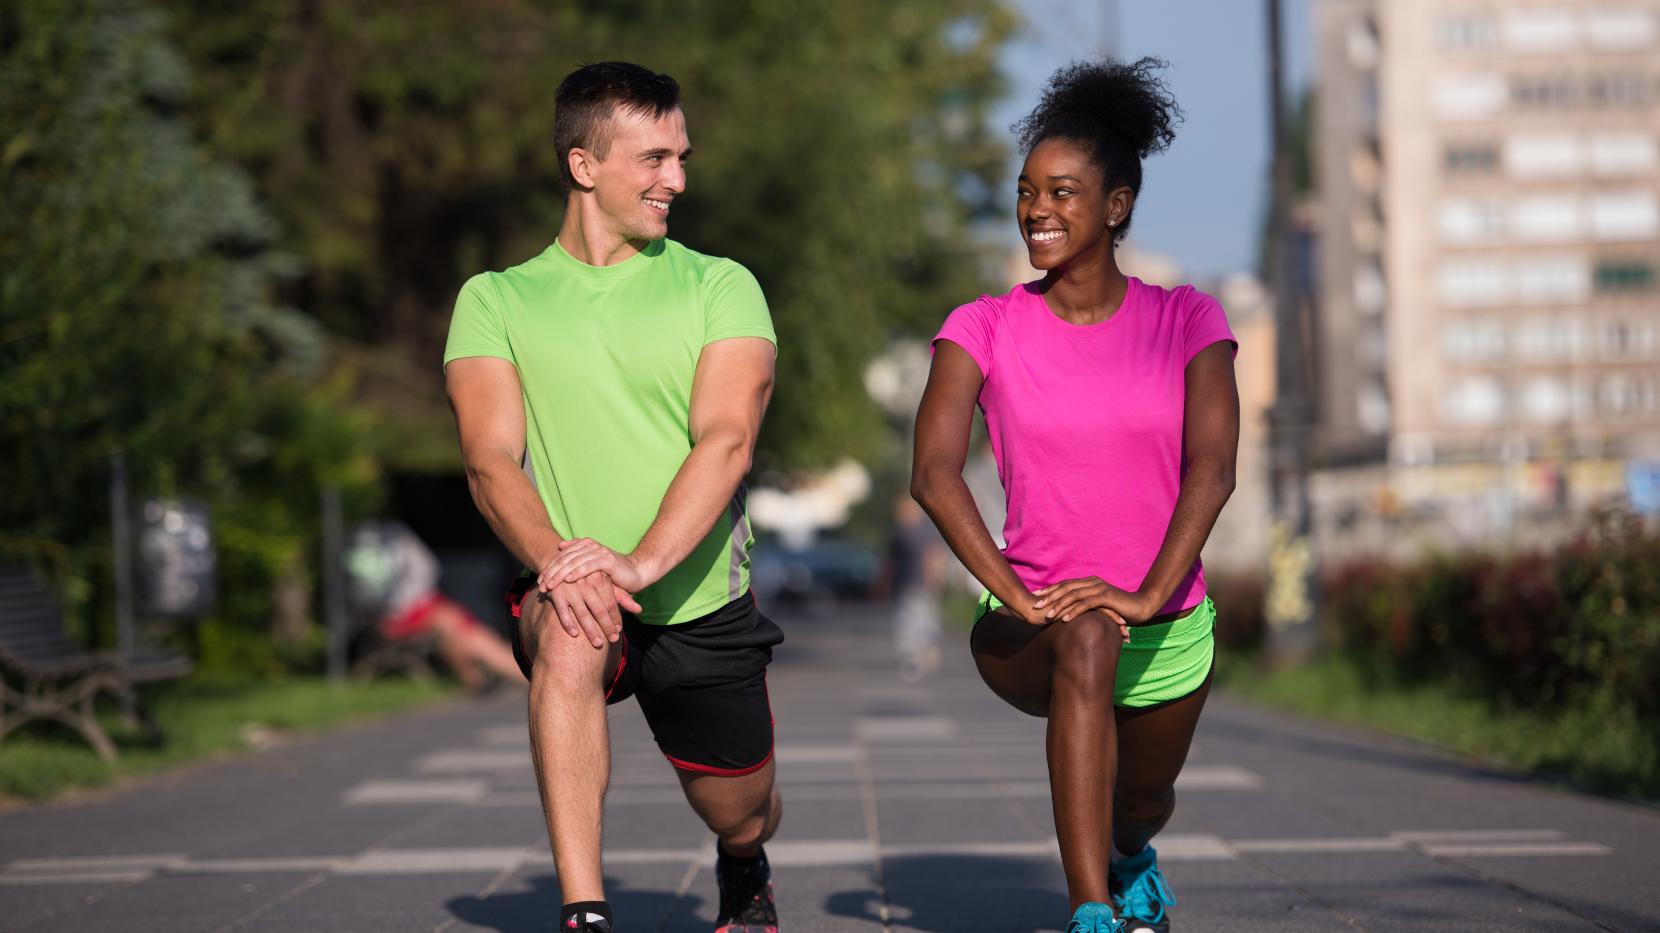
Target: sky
[{"x": 1202, "y": 200}]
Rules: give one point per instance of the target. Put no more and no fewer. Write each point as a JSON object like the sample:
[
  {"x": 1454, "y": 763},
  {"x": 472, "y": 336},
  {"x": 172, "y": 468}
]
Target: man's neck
[{"x": 587, "y": 238}]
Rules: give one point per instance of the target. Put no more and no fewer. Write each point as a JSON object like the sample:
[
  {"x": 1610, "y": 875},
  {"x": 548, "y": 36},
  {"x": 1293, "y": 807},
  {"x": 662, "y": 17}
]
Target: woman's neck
[{"x": 1088, "y": 290}]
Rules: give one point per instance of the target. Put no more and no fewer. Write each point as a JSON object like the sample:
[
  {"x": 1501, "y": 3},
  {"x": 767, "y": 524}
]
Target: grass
[
  {"x": 43, "y": 760},
  {"x": 1599, "y": 747}
]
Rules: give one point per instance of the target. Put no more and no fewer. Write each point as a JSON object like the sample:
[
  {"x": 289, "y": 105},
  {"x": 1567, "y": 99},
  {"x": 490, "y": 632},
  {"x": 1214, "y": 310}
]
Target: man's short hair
[{"x": 589, "y": 98}]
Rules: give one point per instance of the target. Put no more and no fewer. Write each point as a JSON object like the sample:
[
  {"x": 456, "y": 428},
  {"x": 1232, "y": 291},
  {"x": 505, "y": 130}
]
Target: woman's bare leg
[
  {"x": 1152, "y": 747},
  {"x": 1065, "y": 671}
]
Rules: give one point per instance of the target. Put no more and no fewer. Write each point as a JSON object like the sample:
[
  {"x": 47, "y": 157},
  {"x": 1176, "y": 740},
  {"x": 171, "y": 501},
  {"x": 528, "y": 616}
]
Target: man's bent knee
[{"x": 555, "y": 655}]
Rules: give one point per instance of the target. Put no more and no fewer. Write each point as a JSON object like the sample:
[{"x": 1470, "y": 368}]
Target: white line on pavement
[{"x": 1173, "y": 847}]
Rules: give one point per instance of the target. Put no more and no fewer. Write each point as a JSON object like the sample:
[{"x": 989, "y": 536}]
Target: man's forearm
[
  {"x": 507, "y": 500},
  {"x": 701, "y": 491}
]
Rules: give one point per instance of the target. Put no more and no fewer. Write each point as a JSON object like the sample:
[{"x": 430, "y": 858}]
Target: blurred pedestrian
[
  {"x": 609, "y": 393},
  {"x": 393, "y": 571},
  {"x": 912, "y": 579},
  {"x": 1114, "y": 417}
]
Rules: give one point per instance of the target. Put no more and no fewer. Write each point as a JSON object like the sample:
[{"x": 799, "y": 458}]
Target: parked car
[{"x": 824, "y": 571}]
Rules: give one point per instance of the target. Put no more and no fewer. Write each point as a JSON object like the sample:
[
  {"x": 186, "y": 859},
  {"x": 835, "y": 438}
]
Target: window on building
[
  {"x": 1547, "y": 219},
  {"x": 1473, "y": 401},
  {"x": 1540, "y": 93},
  {"x": 1553, "y": 280},
  {"x": 1540, "y": 29},
  {"x": 1627, "y": 90},
  {"x": 1470, "y": 96},
  {"x": 1543, "y": 155},
  {"x": 1472, "y": 340},
  {"x": 1620, "y": 28},
  {"x": 1625, "y": 216},
  {"x": 1550, "y": 340},
  {"x": 1627, "y": 395},
  {"x": 1467, "y": 33},
  {"x": 1472, "y": 158},
  {"x": 1470, "y": 220},
  {"x": 1472, "y": 283},
  {"x": 1623, "y": 338},
  {"x": 1361, "y": 40},
  {"x": 1371, "y": 294},
  {"x": 1625, "y": 276},
  {"x": 1546, "y": 400},
  {"x": 1620, "y": 154}
]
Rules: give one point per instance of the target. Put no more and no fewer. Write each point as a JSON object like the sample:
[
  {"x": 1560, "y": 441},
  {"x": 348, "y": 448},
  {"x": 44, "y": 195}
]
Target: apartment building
[{"x": 1489, "y": 229}]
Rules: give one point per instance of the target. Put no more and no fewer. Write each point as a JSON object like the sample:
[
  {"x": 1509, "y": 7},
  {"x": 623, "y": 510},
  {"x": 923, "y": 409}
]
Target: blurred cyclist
[{"x": 608, "y": 394}]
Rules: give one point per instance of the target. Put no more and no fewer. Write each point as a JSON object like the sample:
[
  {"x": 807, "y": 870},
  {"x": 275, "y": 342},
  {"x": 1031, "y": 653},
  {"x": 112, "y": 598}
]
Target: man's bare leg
[
  {"x": 742, "y": 811},
  {"x": 570, "y": 743}
]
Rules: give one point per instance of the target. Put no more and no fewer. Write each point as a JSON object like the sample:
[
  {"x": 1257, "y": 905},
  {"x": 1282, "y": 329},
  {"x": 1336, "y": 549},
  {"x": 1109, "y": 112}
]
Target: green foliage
[
  {"x": 1542, "y": 631},
  {"x": 841, "y": 155},
  {"x": 44, "y": 759},
  {"x": 1546, "y": 660},
  {"x": 136, "y": 314},
  {"x": 1601, "y": 747}
]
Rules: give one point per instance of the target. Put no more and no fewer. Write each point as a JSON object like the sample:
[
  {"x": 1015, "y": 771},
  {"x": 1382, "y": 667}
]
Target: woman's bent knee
[{"x": 1087, "y": 648}]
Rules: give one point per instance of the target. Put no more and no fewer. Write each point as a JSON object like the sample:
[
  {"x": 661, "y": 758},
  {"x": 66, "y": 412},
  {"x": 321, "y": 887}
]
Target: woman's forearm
[
  {"x": 1205, "y": 489},
  {"x": 946, "y": 499}
]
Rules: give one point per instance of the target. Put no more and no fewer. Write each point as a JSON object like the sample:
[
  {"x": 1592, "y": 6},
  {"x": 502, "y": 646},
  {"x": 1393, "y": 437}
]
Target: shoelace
[
  {"x": 1146, "y": 896},
  {"x": 1094, "y": 918}
]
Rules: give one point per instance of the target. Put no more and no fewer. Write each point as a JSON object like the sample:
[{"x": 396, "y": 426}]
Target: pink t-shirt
[{"x": 1086, "y": 426}]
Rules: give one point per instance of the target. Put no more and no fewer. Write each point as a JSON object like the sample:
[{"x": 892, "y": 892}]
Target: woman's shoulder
[
  {"x": 989, "y": 310},
  {"x": 1183, "y": 299}
]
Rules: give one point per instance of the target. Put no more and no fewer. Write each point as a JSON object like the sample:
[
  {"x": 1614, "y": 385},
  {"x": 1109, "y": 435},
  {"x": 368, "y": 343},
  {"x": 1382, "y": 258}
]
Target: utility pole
[
  {"x": 334, "y": 583},
  {"x": 1290, "y": 607},
  {"x": 1110, "y": 25},
  {"x": 121, "y": 541}
]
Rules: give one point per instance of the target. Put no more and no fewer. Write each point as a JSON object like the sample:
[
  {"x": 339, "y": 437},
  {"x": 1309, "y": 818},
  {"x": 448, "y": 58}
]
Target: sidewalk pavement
[{"x": 907, "y": 808}]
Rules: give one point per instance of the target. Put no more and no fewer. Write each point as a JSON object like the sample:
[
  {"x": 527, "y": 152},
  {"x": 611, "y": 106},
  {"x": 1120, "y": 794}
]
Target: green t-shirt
[{"x": 606, "y": 356}]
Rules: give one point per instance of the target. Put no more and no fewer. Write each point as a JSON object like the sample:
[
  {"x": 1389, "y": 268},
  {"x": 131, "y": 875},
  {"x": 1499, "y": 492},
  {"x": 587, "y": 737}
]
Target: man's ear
[{"x": 582, "y": 167}]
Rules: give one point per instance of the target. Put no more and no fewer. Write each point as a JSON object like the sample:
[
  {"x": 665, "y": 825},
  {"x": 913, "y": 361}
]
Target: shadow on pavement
[
  {"x": 537, "y": 909},
  {"x": 951, "y": 894}
]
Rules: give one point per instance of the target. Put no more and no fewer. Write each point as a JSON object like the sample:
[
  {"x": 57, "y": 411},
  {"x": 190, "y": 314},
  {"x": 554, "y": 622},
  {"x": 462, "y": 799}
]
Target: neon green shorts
[{"x": 1162, "y": 662}]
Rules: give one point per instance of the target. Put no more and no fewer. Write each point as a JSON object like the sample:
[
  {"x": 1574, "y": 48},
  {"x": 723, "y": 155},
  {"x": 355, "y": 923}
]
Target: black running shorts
[{"x": 702, "y": 684}]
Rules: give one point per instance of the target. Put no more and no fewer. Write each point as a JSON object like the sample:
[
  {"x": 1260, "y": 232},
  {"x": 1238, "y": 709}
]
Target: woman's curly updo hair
[{"x": 1120, "y": 113}]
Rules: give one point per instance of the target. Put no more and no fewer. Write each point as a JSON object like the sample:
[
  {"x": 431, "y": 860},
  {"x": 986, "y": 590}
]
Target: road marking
[
  {"x": 1432, "y": 837},
  {"x": 473, "y": 761},
  {"x": 1218, "y": 777},
  {"x": 802, "y": 853},
  {"x": 416, "y": 791},
  {"x": 904, "y": 728},
  {"x": 1543, "y": 848},
  {"x": 805, "y": 754},
  {"x": 518, "y": 735}
]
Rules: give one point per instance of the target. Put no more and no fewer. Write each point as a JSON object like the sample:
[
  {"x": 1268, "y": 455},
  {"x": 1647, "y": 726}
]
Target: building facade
[{"x": 1489, "y": 239}]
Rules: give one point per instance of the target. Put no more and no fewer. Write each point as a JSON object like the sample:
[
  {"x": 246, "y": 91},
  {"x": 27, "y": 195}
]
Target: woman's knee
[{"x": 1087, "y": 649}]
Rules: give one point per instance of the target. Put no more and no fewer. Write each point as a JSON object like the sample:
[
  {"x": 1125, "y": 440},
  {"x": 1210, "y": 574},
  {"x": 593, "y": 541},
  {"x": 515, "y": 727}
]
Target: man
[{"x": 608, "y": 395}]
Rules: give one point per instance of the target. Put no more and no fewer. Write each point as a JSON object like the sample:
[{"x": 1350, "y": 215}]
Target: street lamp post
[{"x": 1289, "y": 602}]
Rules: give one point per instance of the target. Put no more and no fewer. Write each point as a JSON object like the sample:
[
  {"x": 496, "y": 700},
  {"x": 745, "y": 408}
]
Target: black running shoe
[{"x": 745, "y": 894}]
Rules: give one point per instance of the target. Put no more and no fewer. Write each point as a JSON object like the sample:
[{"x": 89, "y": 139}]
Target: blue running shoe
[
  {"x": 1094, "y": 918},
  {"x": 1140, "y": 893}
]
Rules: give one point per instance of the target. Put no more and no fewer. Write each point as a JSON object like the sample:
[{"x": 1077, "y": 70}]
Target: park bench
[{"x": 59, "y": 680}]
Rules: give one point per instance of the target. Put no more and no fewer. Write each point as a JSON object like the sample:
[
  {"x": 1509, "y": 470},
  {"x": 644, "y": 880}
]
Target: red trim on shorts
[
  {"x": 719, "y": 772},
  {"x": 417, "y": 617},
  {"x": 622, "y": 662}
]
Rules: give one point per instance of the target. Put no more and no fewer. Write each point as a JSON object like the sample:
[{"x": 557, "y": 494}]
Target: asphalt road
[{"x": 908, "y": 808}]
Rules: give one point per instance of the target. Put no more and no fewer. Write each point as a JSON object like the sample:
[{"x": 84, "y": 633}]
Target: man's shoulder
[{"x": 707, "y": 268}]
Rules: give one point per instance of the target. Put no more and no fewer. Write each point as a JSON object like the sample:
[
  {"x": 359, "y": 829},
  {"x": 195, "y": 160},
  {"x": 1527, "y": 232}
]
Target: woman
[{"x": 1114, "y": 419}]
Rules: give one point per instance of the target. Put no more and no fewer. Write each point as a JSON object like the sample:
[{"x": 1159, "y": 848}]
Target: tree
[
  {"x": 135, "y": 314},
  {"x": 840, "y": 146}
]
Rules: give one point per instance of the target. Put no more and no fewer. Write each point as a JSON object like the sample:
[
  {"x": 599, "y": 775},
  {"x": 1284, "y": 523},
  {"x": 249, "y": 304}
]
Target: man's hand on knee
[{"x": 590, "y": 608}]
